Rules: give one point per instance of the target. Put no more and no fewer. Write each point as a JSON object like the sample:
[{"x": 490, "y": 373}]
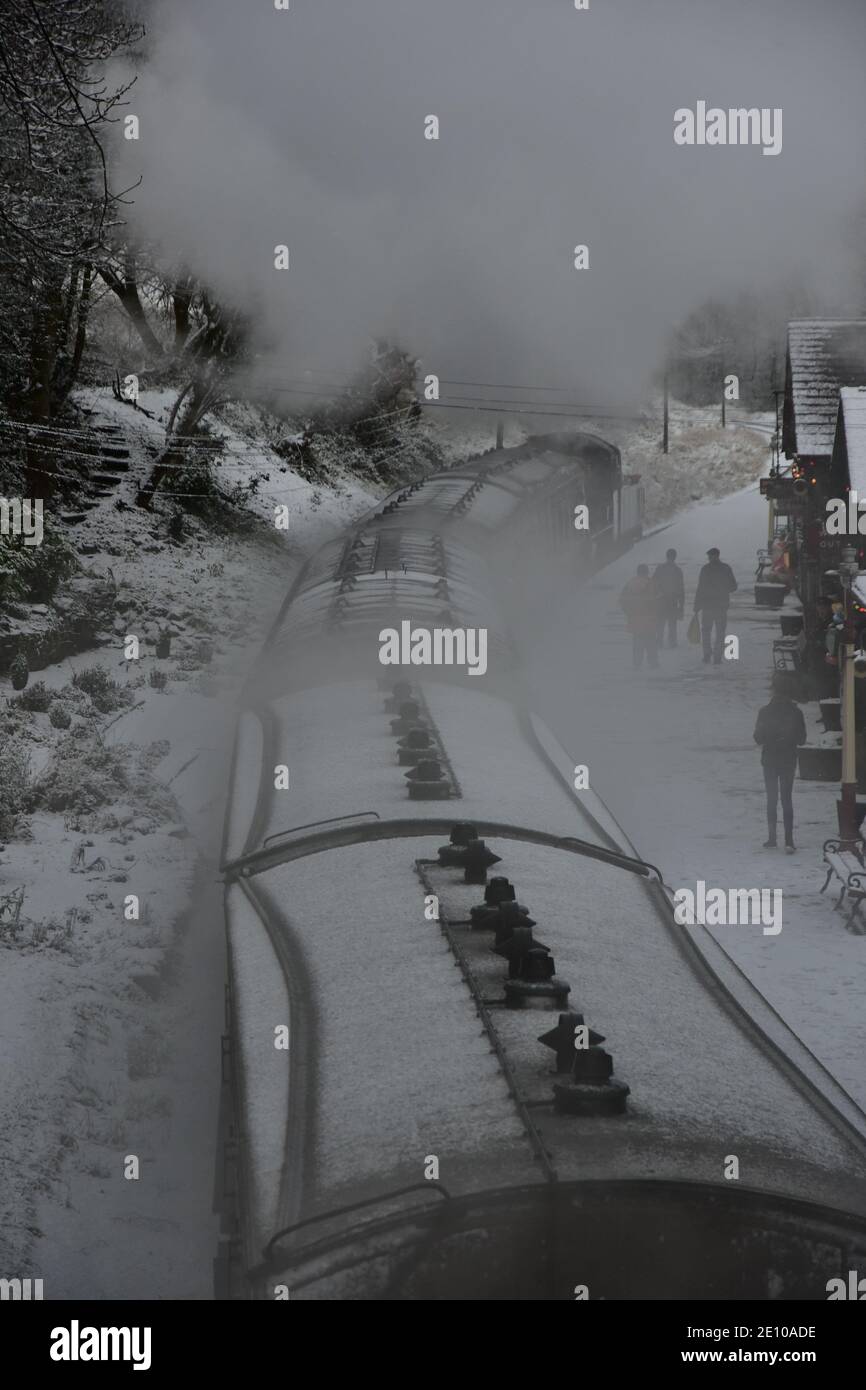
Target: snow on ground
[
  {"x": 672, "y": 754},
  {"x": 110, "y": 1028},
  {"x": 703, "y": 462},
  {"x": 316, "y": 510}
]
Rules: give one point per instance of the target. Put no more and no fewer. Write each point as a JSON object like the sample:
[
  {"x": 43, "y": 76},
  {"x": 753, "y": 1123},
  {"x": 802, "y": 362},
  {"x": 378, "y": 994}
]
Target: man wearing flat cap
[{"x": 715, "y": 586}]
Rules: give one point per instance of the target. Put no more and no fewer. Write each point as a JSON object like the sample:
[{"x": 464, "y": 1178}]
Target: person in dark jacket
[
  {"x": 780, "y": 730},
  {"x": 716, "y": 583},
  {"x": 671, "y": 590},
  {"x": 639, "y": 602}
]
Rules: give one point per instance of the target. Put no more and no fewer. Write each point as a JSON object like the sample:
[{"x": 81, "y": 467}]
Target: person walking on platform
[
  {"x": 779, "y": 731},
  {"x": 671, "y": 590},
  {"x": 639, "y": 602},
  {"x": 716, "y": 583}
]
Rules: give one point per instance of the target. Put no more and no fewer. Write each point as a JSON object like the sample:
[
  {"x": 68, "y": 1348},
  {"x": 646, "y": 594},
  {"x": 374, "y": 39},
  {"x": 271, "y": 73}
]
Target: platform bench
[
  {"x": 848, "y": 868},
  {"x": 786, "y": 654}
]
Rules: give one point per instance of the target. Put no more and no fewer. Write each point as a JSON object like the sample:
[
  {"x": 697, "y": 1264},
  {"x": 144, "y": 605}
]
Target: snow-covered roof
[
  {"x": 850, "y": 442},
  {"x": 403, "y": 1068},
  {"x": 823, "y": 356},
  {"x": 337, "y": 741},
  {"x": 491, "y": 486}
]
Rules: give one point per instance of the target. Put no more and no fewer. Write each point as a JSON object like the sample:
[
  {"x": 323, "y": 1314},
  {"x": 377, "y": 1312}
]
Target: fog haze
[{"x": 306, "y": 127}]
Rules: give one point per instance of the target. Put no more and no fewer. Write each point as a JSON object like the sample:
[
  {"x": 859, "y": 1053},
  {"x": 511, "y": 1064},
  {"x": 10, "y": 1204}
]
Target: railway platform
[{"x": 671, "y": 752}]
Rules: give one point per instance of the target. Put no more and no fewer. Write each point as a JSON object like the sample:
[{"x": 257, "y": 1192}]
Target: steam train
[{"x": 470, "y": 1052}]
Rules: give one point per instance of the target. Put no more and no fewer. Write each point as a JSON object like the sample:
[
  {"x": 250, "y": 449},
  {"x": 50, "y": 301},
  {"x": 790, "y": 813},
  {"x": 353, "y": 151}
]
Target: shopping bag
[{"x": 694, "y": 633}]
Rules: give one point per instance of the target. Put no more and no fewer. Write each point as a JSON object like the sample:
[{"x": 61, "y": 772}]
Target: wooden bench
[
  {"x": 786, "y": 654},
  {"x": 849, "y": 868}
]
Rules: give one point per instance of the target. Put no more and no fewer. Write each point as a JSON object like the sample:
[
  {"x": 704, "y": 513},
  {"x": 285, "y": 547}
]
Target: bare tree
[
  {"x": 213, "y": 353},
  {"x": 56, "y": 202}
]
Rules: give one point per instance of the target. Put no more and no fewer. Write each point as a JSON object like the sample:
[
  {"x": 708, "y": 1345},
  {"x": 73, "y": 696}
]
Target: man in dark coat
[
  {"x": 639, "y": 602},
  {"x": 716, "y": 583},
  {"x": 780, "y": 730},
  {"x": 671, "y": 591}
]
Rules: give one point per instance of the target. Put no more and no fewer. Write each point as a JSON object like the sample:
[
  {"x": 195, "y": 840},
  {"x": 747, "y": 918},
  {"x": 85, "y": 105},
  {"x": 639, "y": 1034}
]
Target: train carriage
[{"x": 471, "y": 1054}]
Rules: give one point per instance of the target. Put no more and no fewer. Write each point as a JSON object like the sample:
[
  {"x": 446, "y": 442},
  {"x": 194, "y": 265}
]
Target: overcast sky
[{"x": 261, "y": 127}]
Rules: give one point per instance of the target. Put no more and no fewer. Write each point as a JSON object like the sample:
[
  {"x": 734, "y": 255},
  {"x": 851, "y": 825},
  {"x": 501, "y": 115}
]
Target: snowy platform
[{"x": 671, "y": 752}]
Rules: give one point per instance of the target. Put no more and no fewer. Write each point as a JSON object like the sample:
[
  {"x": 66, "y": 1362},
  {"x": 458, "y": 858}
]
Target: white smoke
[{"x": 306, "y": 127}]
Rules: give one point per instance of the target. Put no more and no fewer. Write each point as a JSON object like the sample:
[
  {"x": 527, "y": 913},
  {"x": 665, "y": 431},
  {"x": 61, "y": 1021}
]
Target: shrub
[
  {"x": 104, "y": 691},
  {"x": 14, "y": 787},
  {"x": 194, "y": 487},
  {"x": 158, "y": 679},
  {"x": 59, "y": 716},
  {"x": 83, "y": 776},
  {"x": 19, "y": 671},
  {"x": 193, "y": 483},
  {"x": 52, "y": 933},
  {"x": 37, "y": 699},
  {"x": 34, "y": 572}
]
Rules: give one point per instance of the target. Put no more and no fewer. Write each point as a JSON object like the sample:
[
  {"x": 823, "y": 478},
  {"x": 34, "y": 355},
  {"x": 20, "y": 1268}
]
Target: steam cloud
[{"x": 261, "y": 127}]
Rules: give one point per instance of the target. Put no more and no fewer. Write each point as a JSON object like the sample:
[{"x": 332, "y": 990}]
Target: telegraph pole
[
  {"x": 666, "y": 415},
  {"x": 500, "y": 433},
  {"x": 847, "y": 809}
]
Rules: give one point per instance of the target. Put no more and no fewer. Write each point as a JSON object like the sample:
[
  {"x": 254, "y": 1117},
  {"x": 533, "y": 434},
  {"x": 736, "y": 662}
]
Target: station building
[{"x": 821, "y": 456}]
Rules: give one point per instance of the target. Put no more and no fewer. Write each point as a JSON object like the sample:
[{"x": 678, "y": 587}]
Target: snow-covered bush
[
  {"x": 85, "y": 776},
  {"x": 106, "y": 694},
  {"x": 82, "y": 776},
  {"x": 36, "y": 699},
  {"x": 52, "y": 933},
  {"x": 194, "y": 486},
  {"x": 14, "y": 787},
  {"x": 19, "y": 671},
  {"x": 32, "y": 573}
]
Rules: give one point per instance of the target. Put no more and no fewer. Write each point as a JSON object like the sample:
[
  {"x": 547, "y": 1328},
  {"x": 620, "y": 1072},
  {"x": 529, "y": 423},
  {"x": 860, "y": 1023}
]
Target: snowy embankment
[{"x": 109, "y": 1022}]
